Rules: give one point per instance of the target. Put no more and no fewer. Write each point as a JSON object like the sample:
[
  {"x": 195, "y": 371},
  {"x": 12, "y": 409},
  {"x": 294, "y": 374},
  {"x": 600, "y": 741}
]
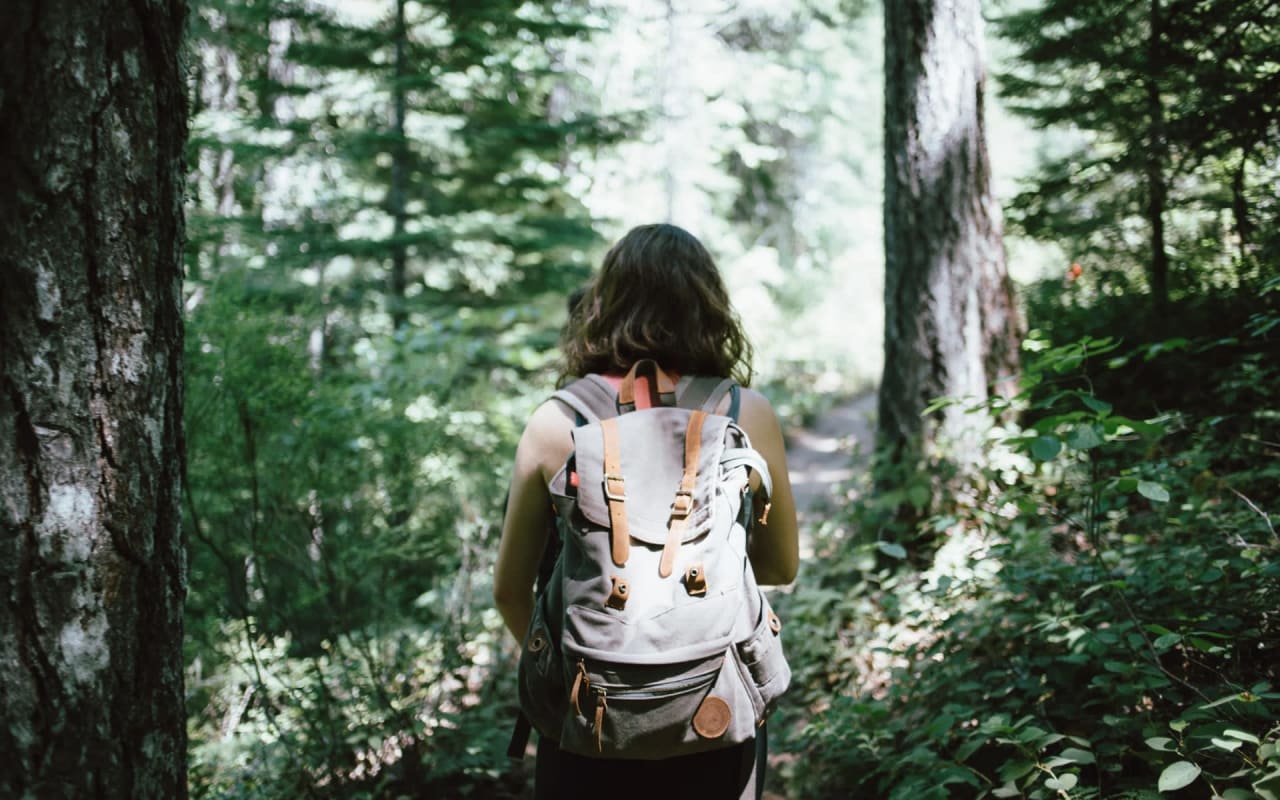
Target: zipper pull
[
  {"x": 764, "y": 516},
  {"x": 601, "y": 704},
  {"x": 581, "y": 681}
]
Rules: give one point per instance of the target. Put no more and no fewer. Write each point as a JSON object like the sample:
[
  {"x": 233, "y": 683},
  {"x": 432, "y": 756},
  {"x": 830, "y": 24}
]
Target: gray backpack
[{"x": 651, "y": 638}]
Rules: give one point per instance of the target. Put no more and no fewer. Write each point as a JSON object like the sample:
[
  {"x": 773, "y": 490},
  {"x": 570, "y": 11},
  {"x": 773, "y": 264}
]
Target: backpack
[{"x": 650, "y": 639}]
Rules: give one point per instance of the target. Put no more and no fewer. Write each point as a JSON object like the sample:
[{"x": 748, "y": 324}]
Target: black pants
[{"x": 733, "y": 773}]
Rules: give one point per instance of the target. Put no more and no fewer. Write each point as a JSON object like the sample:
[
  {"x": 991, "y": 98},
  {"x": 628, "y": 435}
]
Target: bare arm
[
  {"x": 544, "y": 445},
  {"x": 775, "y": 545}
]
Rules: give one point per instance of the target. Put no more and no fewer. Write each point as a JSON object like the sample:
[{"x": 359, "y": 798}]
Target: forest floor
[{"x": 825, "y": 455}]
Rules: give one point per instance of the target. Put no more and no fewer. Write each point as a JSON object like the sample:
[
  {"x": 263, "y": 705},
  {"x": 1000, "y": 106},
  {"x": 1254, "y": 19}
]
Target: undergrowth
[{"x": 1094, "y": 617}]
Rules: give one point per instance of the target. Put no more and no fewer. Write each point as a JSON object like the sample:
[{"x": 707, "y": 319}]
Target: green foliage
[
  {"x": 381, "y": 242},
  {"x": 1098, "y": 619},
  {"x": 1161, "y": 109},
  {"x": 336, "y": 635}
]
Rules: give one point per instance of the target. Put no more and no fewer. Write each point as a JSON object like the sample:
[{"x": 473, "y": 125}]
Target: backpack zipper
[{"x": 657, "y": 691}]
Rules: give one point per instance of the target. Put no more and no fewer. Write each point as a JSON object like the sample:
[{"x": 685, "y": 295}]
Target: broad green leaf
[
  {"x": 969, "y": 748},
  {"x": 1077, "y": 755},
  {"x": 1009, "y": 789},
  {"x": 1241, "y": 735},
  {"x": 1153, "y": 491},
  {"x": 1177, "y": 775},
  {"x": 1124, "y": 485},
  {"x": 1031, "y": 733},
  {"x": 1230, "y": 745},
  {"x": 1045, "y": 448},
  {"x": 1013, "y": 770},
  {"x": 892, "y": 550},
  {"x": 1161, "y": 743},
  {"x": 919, "y": 496},
  {"x": 1083, "y": 437},
  {"x": 1167, "y": 641},
  {"x": 1100, "y": 406},
  {"x": 1238, "y": 794},
  {"x": 1063, "y": 783}
]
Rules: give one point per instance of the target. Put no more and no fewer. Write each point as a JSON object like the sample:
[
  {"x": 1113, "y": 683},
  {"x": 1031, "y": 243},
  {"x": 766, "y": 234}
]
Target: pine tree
[{"x": 1164, "y": 93}]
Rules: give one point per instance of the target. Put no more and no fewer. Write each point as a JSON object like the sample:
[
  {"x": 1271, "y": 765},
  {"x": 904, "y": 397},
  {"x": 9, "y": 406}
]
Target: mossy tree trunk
[
  {"x": 951, "y": 325},
  {"x": 92, "y": 567}
]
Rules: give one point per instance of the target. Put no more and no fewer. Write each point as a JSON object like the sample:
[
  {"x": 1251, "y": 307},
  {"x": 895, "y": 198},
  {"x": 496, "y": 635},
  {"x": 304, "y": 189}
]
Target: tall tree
[
  {"x": 1172, "y": 104},
  {"x": 951, "y": 327},
  {"x": 92, "y": 571}
]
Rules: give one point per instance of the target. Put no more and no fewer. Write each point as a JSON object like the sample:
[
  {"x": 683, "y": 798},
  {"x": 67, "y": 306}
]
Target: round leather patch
[{"x": 712, "y": 718}]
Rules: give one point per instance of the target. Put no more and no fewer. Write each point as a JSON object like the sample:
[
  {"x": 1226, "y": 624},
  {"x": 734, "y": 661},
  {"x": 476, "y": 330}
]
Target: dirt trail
[
  {"x": 825, "y": 455},
  {"x": 821, "y": 459}
]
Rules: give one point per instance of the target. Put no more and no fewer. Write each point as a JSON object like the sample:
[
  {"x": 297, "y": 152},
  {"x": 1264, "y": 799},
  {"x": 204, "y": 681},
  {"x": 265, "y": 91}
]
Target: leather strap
[
  {"x": 682, "y": 508},
  {"x": 615, "y": 492},
  {"x": 601, "y": 703},
  {"x": 666, "y": 388}
]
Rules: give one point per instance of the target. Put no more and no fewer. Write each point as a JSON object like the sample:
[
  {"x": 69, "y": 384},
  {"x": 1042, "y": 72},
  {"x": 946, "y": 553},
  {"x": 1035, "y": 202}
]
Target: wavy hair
[{"x": 658, "y": 295}]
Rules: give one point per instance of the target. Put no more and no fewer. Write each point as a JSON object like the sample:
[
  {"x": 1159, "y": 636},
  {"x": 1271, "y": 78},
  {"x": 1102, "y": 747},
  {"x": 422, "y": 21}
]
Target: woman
[{"x": 658, "y": 296}]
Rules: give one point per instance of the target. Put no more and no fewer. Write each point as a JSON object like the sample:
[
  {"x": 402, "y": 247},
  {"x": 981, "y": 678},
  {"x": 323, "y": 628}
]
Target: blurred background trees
[{"x": 388, "y": 203}]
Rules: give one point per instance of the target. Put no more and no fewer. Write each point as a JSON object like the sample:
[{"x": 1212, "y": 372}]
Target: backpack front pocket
[{"x": 646, "y": 712}]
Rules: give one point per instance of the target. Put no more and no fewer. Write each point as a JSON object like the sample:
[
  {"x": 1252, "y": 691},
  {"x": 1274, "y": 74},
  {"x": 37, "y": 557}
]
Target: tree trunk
[
  {"x": 92, "y": 566},
  {"x": 951, "y": 325},
  {"x": 397, "y": 198},
  {"x": 1157, "y": 155}
]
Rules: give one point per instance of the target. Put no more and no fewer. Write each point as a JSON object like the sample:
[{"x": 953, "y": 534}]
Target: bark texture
[
  {"x": 92, "y": 567},
  {"x": 951, "y": 325}
]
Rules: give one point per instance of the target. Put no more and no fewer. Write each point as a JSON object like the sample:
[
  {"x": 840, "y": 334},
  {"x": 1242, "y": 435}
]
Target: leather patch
[
  {"x": 621, "y": 591},
  {"x": 695, "y": 579},
  {"x": 712, "y": 718}
]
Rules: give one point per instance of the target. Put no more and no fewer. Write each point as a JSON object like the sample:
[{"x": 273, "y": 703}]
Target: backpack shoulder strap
[
  {"x": 705, "y": 393},
  {"x": 592, "y": 398},
  {"x": 699, "y": 391}
]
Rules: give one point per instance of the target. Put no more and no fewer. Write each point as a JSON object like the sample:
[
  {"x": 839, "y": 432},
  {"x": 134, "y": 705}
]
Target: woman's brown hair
[{"x": 659, "y": 296}]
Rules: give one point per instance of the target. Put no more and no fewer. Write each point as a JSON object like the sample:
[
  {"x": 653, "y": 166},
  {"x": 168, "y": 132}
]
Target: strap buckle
[
  {"x": 683, "y": 504},
  {"x": 621, "y": 494}
]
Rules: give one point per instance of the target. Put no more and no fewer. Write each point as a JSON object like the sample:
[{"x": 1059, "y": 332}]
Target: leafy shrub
[{"x": 1098, "y": 618}]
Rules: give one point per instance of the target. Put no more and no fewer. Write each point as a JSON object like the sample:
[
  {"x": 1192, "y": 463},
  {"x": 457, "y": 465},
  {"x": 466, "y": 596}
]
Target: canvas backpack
[{"x": 650, "y": 638}]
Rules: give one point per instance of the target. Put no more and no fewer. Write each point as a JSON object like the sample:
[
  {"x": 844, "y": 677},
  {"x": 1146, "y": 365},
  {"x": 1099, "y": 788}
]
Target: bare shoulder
[
  {"x": 548, "y": 437},
  {"x": 757, "y": 416}
]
